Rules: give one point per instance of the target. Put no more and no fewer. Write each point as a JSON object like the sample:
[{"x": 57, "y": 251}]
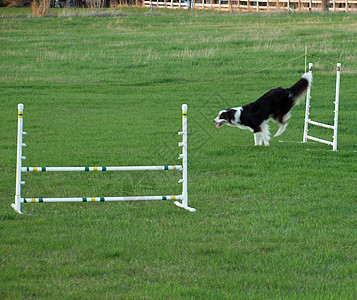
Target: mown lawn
[{"x": 105, "y": 89}]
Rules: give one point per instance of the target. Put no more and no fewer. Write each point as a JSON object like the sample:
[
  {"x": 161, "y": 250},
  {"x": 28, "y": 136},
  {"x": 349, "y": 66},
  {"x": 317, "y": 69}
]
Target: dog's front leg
[
  {"x": 258, "y": 139},
  {"x": 265, "y": 134},
  {"x": 266, "y": 142}
]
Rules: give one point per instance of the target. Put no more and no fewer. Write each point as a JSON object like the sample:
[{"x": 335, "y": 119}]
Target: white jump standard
[
  {"x": 20, "y": 169},
  {"x": 309, "y": 121}
]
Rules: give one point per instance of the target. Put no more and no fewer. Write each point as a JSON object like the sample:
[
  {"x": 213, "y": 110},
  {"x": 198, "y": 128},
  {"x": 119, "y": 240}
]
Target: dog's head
[{"x": 230, "y": 116}]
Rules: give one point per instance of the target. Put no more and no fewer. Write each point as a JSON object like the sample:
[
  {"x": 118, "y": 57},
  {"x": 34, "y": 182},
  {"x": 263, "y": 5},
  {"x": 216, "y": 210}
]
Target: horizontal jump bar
[
  {"x": 320, "y": 124},
  {"x": 100, "y": 169},
  {"x": 100, "y": 199},
  {"x": 319, "y": 140}
]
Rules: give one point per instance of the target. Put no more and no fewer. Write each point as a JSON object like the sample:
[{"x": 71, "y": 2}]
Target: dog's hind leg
[
  {"x": 281, "y": 129},
  {"x": 283, "y": 124}
]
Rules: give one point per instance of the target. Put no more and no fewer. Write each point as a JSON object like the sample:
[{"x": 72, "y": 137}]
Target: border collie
[{"x": 275, "y": 104}]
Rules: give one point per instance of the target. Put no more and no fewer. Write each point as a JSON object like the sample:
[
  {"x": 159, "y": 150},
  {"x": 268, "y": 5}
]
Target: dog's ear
[{"x": 229, "y": 115}]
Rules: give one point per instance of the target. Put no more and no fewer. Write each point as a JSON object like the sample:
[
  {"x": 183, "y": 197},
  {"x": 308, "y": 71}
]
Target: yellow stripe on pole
[
  {"x": 33, "y": 200},
  {"x": 35, "y": 169},
  {"x": 95, "y": 169},
  {"x": 93, "y": 199}
]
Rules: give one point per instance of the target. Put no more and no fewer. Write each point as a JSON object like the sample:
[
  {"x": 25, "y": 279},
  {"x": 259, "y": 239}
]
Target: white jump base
[
  {"x": 20, "y": 169},
  {"x": 309, "y": 121}
]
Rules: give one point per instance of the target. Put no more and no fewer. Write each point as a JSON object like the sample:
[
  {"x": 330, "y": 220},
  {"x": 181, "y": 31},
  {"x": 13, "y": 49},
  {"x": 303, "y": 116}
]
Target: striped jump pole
[
  {"x": 100, "y": 169},
  {"x": 100, "y": 199},
  {"x": 20, "y": 169},
  {"x": 309, "y": 121}
]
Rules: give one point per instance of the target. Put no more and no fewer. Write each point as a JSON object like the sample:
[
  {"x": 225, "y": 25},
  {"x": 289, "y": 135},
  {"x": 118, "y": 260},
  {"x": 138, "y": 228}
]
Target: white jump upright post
[
  {"x": 309, "y": 121},
  {"x": 20, "y": 144},
  {"x": 307, "y": 111},
  {"x": 337, "y": 103},
  {"x": 183, "y": 156},
  {"x": 20, "y": 169}
]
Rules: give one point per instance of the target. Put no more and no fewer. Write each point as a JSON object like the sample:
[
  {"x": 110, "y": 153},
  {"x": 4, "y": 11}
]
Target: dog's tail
[{"x": 299, "y": 88}]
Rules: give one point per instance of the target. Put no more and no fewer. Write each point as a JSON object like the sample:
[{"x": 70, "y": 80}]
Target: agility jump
[
  {"x": 309, "y": 121},
  {"x": 20, "y": 169}
]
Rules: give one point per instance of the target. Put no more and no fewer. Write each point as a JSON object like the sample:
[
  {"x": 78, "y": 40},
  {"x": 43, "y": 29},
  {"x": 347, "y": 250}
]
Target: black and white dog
[{"x": 275, "y": 104}]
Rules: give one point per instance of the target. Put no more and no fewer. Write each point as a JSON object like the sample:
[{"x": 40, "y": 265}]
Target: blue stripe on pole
[
  {"x": 84, "y": 199},
  {"x": 104, "y": 168},
  {"x": 43, "y": 169},
  {"x": 164, "y": 198},
  {"x": 166, "y": 167},
  {"x": 40, "y": 200},
  {"x": 102, "y": 199},
  {"x": 86, "y": 169}
]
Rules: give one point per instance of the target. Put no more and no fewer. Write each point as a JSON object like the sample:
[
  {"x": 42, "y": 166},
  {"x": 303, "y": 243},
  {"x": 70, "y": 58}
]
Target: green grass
[{"x": 271, "y": 222}]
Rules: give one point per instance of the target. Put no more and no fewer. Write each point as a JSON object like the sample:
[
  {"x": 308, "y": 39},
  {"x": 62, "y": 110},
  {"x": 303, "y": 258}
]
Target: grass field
[{"x": 106, "y": 90}]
